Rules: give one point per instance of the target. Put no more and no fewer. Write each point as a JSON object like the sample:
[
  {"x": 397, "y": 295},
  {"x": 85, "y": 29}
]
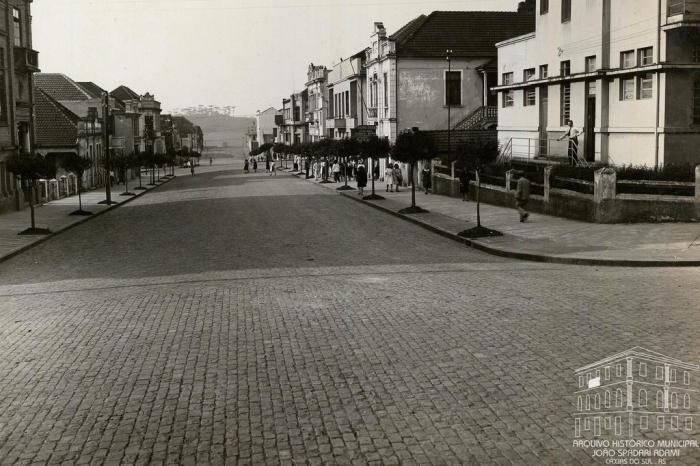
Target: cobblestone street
[{"x": 232, "y": 318}]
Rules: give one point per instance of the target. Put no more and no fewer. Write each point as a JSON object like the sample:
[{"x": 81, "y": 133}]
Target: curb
[
  {"x": 509, "y": 253},
  {"x": 79, "y": 222}
]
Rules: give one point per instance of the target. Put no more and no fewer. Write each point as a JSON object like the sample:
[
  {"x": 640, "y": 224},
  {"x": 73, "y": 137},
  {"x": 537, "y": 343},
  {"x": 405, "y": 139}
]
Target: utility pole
[{"x": 105, "y": 145}]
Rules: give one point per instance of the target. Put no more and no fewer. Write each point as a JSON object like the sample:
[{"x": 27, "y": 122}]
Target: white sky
[{"x": 247, "y": 53}]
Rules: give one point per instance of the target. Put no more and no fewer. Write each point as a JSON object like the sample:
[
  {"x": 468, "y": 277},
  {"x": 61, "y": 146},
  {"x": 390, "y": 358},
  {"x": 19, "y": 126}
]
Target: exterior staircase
[{"x": 481, "y": 118}]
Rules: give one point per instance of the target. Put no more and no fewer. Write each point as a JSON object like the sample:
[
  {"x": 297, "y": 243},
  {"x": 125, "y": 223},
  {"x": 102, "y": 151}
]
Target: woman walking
[
  {"x": 398, "y": 177},
  {"x": 361, "y": 178},
  {"x": 389, "y": 178},
  {"x": 426, "y": 178},
  {"x": 246, "y": 167},
  {"x": 464, "y": 183},
  {"x": 255, "y": 165}
]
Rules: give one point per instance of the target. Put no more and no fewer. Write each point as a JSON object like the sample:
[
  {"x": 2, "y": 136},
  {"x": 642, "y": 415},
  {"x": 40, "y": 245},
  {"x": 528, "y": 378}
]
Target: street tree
[
  {"x": 412, "y": 146},
  {"x": 29, "y": 168},
  {"x": 77, "y": 165},
  {"x": 347, "y": 148},
  {"x": 374, "y": 148},
  {"x": 473, "y": 154}
]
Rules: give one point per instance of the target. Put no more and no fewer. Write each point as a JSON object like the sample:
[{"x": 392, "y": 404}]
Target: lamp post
[
  {"x": 105, "y": 146},
  {"x": 448, "y": 101}
]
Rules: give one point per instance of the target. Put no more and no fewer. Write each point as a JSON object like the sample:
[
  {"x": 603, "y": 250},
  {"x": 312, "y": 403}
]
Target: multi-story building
[
  {"x": 295, "y": 126},
  {"x": 18, "y": 63},
  {"x": 347, "y": 109},
  {"x": 635, "y": 392},
  {"x": 410, "y": 82},
  {"x": 147, "y": 126},
  {"x": 626, "y": 72},
  {"x": 315, "y": 114},
  {"x": 266, "y": 126}
]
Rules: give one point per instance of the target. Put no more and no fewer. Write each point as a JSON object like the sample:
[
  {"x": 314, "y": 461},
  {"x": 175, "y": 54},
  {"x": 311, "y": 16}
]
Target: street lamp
[{"x": 448, "y": 101}]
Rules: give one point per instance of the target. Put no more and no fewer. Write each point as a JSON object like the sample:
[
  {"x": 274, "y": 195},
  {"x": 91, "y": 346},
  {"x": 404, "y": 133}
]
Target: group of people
[{"x": 252, "y": 163}]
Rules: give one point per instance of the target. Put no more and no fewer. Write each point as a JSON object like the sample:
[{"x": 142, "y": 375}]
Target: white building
[
  {"x": 316, "y": 109},
  {"x": 266, "y": 126},
  {"x": 626, "y": 72},
  {"x": 346, "y": 101}
]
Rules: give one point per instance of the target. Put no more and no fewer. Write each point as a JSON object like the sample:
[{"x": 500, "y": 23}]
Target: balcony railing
[
  {"x": 372, "y": 112},
  {"x": 26, "y": 60},
  {"x": 683, "y": 7}
]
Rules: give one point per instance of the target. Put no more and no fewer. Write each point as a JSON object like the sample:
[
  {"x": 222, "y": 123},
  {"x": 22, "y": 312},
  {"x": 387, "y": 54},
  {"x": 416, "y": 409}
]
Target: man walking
[{"x": 522, "y": 196}]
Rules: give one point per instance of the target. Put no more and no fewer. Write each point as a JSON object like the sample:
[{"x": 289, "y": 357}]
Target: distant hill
[{"x": 220, "y": 130}]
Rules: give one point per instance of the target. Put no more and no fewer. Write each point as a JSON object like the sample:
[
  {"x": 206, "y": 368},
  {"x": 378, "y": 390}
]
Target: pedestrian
[
  {"x": 267, "y": 165},
  {"x": 398, "y": 177},
  {"x": 273, "y": 168},
  {"x": 572, "y": 134},
  {"x": 211, "y": 161},
  {"x": 192, "y": 169},
  {"x": 314, "y": 169},
  {"x": 426, "y": 178},
  {"x": 246, "y": 166},
  {"x": 296, "y": 163},
  {"x": 255, "y": 165},
  {"x": 522, "y": 196},
  {"x": 336, "y": 171},
  {"x": 361, "y": 178},
  {"x": 389, "y": 178},
  {"x": 464, "y": 183},
  {"x": 375, "y": 170}
]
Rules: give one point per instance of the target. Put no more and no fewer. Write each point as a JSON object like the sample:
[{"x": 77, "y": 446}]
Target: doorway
[{"x": 589, "y": 130}]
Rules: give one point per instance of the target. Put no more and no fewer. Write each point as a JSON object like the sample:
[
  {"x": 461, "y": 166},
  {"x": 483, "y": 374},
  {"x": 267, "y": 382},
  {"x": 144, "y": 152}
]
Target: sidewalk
[
  {"x": 55, "y": 216},
  {"x": 544, "y": 238}
]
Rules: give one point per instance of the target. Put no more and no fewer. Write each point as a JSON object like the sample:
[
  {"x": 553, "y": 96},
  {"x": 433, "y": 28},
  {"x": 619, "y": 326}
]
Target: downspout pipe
[{"x": 658, "y": 85}]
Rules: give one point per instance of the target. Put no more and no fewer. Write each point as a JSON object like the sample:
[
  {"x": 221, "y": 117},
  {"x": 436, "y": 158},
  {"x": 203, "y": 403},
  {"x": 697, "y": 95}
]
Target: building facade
[
  {"x": 633, "y": 393},
  {"x": 626, "y": 72},
  {"x": 317, "y": 102},
  {"x": 18, "y": 63},
  {"x": 347, "y": 109},
  {"x": 265, "y": 126}
]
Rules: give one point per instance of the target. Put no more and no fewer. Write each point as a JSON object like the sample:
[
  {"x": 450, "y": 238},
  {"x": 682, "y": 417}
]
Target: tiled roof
[
  {"x": 60, "y": 87},
  {"x": 91, "y": 88},
  {"x": 55, "y": 125},
  {"x": 466, "y": 33},
  {"x": 124, "y": 93}
]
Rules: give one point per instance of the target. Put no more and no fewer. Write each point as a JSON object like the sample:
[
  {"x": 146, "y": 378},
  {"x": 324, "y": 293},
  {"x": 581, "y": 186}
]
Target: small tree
[
  {"x": 374, "y": 148},
  {"x": 29, "y": 168},
  {"x": 346, "y": 148},
  {"x": 77, "y": 165},
  {"x": 411, "y": 147},
  {"x": 473, "y": 155},
  {"x": 124, "y": 163},
  {"x": 140, "y": 161}
]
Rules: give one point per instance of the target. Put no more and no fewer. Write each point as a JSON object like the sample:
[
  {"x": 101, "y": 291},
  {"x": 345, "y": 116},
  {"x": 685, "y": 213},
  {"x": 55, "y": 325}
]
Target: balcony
[
  {"x": 26, "y": 60},
  {"x": 683, "y": 13},
  {"x": 335, "y": 123}
]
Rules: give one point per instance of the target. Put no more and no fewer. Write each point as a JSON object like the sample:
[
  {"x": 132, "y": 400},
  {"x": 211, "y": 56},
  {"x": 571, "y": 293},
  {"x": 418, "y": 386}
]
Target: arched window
[
  {"x": 588, "y": 402},
  {"x": 618, "y": 397},
  {"x": 660, "y": 399},
  {"x": 579, "y": 405},
  {"x": 642, "y": 397},
  {"x": 674, "y": 400},
  {"x": 607, "y": 398},
  {"x": 686, "y": 401},
  {"x": 596, "y": 401}
]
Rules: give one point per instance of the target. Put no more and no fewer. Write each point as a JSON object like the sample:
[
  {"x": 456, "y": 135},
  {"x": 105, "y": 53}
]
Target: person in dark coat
[
  {"x": 361, "y": 178},
  {"x": 464, "y": 183},
  {"x": 426, "y": 178},
  {"x": 245, "y": 166}
]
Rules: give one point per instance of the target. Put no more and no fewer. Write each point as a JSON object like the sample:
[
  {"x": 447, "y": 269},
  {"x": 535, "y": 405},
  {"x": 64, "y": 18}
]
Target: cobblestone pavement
[{"x": 245, "y": 319}]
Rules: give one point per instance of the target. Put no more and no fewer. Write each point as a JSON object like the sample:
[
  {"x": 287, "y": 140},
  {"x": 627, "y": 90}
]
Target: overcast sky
[{"x": 247, "y": 53}]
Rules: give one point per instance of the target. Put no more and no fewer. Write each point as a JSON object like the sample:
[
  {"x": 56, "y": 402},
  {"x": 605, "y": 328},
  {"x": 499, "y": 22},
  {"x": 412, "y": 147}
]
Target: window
[
  {"x": 643, "y": 422},
  {"x": 565, "y": 11},
  {"x": 607, "y": 422},
  {"x": 544, "y": 7},
  {"x": 587, "y": 424},
  {"x": 686, "y": 401},
  {"x": 689, "y": 423},
  {"x": 588, "y": 402},
  {"x": 386, "y": 90},
  {"x": 565, "y": 68},
  {"x": 544, "y": 71},
  {"x": 659, "y": 423},
  {"x": 507, "y": 79},
  {"x": 627, "y": 89},
  {"x": 17, "y": 31},
  {"x": 577, "y": 427},
  {"x": 618, "y": 398},
  {"x": 696, "y": 103},
  {"x": 645, "y": 86},
  {"x": 596, "y": 426},
  {"x": 453, "y": 88},
  {"x": 645, "y": 56},
  {"x": 674, "y": 400},
  {"x": 618, "y": 425},
  {"x": 565, "y": 106},
  {"x": 674, "y": 422},
  {"x": 607, "y": 398},
  {"x": 596, "y": 401},
  {"x": 659, "y": 373},
  {"x": 627, "y": 59},
  {"x": 579, "y": 405},
  {"x": 590, "y": 64},
  {"x": 642, "y": 397},
  {"x": 508, "y": 99},
  {"x": 686, "y": 378},
  {"x": 528, "y": 74},
  {"x": 673, "y": 375},
  {"x": 529, "y": 95},
  {"x": 580, "y": 381},
  {"x": 659, "y": 399},
  {"x": 619, "y": 370},
  {"x": 642, "y": 369},
  {"x": 347, "y": 102}
]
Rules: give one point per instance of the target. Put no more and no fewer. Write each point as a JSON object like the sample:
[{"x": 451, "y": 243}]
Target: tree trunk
[
  {"x": 80, "y": 199},
  {"x": 371, "y": 173},
  {"x": 413, "y": 185},
  {"x": 139, "y": 168},
  {"x": 31, "y": 203},
  {"x": 345, "y": 169},
  {"x": 126, "y": 180},
  {"x": 478, "y": 202}
]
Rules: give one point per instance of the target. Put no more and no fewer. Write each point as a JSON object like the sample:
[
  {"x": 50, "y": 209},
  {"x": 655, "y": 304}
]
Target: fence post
[
  {"x": 604, "y": 185},
  {"x": 547, "y": 182},
  {"x": 697, "y": 184},
  {"x": 509, "y": 177}
]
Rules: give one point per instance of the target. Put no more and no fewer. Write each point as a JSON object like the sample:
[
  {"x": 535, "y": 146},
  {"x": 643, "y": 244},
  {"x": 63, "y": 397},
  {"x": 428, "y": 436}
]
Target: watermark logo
[{"x": 637, "y": 407}]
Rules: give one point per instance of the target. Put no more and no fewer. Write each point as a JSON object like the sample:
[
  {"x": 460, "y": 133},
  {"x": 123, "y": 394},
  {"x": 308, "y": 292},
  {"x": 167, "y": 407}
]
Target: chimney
[{"x": 379, "y": 30}]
